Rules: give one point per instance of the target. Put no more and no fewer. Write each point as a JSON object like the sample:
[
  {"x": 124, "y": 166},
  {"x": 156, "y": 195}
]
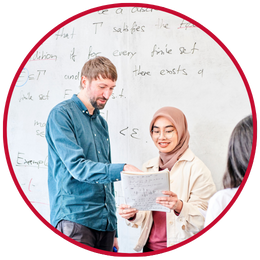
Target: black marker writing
[
  {"x": 72, "y": 55},
  {"x": 184, "y": 51},
  {"x": 173, "y": 71},
  {"x": 64, "y": 35},
  {"x": 97, "y": 25},
  {"x": 125, "y": 28},
  {"x": 118, "y": 53},
  {"x": 92, "y": 54},
  {"x": 138, "y": 72},
  {"x": 159, "y": 51},
  {"x": 133, "y": 134},
  {"x": 162, "y": 25}
]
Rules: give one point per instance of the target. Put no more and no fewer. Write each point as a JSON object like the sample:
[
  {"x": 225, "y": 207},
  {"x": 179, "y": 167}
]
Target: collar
[
  {"x": 83, "y": 108},
  {"x": 187, "y": 156}
]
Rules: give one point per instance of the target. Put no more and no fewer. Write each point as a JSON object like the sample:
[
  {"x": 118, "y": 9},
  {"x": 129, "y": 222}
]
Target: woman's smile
[{"x": 164, "y": 144}]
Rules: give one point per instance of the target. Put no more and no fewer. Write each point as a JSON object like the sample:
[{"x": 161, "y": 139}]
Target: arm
[
  {"x": 61, "y": 138},
  {"x": 201, "y": 190}
]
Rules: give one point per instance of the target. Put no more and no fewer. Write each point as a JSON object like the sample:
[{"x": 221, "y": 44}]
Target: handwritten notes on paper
[{"x": 141, "y": 189}]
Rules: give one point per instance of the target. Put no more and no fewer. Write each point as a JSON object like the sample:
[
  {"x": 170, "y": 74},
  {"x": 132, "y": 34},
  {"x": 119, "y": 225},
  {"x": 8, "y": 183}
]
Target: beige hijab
[{"x": 167, "y": 160}]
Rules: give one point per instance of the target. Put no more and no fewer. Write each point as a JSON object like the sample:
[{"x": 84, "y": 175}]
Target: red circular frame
[{"x": 118, "y": 6}]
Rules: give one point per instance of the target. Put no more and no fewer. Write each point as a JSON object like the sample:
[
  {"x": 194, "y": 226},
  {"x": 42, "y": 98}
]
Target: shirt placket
[{"x": 98, "y": 154}]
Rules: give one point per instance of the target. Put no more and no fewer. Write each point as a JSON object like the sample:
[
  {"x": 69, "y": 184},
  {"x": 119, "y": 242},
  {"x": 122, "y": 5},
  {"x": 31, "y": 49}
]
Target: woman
[
  {"x": 191, "y": 186},
  {"x": 239, "y": 152}
]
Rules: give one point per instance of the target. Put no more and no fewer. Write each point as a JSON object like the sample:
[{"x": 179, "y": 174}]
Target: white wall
[{"x": 208, "y": 102}]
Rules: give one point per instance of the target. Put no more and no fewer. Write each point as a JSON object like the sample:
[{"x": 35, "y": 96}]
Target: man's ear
[{"x": 84, "y": 82}]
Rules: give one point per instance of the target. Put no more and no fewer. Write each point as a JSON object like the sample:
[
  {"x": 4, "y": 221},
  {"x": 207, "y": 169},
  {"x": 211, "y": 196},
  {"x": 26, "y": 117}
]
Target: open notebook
[{"x": 141, "y": 189}]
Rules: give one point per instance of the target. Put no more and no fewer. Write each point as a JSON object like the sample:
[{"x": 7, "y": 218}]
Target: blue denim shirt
[{"x": 80, "y": 173}]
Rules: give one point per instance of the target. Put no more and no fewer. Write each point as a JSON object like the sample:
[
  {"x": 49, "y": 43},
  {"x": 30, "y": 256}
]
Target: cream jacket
[{"x": 191, "y": 180}]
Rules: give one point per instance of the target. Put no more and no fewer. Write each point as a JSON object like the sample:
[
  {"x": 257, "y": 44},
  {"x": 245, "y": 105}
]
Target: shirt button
[
  {"x": 97, "y": 182},
  {"x": 98, "y": 151},
  {"x": 95, "y": 135},
  {"x": 116, "y": 179},
  {"x": 107, "y": 139},
  {"x": 171, "y": 222},
  {"x": 183, "y": 227},
  {"x": 83, "y": 111}
]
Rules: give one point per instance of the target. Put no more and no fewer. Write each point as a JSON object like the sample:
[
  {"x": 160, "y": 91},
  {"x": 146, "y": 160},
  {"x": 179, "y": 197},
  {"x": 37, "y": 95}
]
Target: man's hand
[
  {"x": 131, "y": 168},
  {"x": 116, "y": 244}
]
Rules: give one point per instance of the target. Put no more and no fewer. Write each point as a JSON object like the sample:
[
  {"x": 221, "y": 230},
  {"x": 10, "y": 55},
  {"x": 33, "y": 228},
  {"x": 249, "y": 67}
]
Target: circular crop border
[{"x": 15, "y": 83}]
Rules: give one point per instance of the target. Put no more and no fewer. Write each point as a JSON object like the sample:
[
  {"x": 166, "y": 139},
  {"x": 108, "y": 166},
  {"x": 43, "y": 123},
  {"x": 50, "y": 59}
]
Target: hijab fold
[{"x": 178, "y": 119}]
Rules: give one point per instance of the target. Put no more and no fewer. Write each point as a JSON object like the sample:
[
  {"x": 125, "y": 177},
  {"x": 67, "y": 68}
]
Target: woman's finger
[{"x": 168, "y": 192}]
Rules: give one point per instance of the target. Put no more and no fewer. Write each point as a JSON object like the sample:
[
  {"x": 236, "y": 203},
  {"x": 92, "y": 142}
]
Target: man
[{"x": 80, "y": 173}]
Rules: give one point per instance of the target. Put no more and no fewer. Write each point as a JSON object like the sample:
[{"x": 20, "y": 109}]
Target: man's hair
[{"x": 99, "y": 66}]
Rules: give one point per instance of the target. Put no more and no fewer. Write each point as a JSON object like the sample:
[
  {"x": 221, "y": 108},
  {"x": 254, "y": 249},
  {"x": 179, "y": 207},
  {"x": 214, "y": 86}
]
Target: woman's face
[{"x": 164, "y": 135}]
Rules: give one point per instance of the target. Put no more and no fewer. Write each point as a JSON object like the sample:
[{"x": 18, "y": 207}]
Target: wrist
[
  {"x": 132, "y": 218},
  {"x": 179, "y": 205}
]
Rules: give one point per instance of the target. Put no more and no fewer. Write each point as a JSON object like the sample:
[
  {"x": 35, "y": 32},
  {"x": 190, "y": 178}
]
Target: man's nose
[{"x": 107, "y": 93}]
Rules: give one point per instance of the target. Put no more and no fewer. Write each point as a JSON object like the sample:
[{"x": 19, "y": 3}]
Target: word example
[{"x": 23, "y": 160}]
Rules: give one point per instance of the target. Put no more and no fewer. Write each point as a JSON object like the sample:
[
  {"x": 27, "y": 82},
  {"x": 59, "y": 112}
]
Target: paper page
[{"x": 141, "y": 190}]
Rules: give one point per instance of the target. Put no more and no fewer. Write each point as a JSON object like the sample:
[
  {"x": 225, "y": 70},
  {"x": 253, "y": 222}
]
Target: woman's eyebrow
[{"x": 164, "y": 126}]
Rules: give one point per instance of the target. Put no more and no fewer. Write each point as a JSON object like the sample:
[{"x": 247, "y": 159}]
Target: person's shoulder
[
  {"x": 198, "y": 161},
  {"x": 224, "y": 196},
  {"x": 61, "y": 110},
  {"x": 154, "y": 162},
  {"x": 195, "y": 164},
  {"x": 62, "y": 106}
]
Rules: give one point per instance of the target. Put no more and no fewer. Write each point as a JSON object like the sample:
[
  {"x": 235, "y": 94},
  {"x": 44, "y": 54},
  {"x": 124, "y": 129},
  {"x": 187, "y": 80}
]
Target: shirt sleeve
[
  {"x": 61, "y": 138},
  {"x": 202, "y": 189}
]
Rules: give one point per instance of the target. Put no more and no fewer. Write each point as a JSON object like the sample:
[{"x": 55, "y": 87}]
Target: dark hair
[{"x": 239, "y": 152}]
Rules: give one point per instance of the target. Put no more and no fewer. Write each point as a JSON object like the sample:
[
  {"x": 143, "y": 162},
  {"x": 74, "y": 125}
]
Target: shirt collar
[{"x": 83, "y": 108}]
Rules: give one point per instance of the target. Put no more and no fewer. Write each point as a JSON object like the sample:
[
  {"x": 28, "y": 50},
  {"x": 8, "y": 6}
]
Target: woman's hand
[
  {"x": 171, "y": 202},
  {"x": 125, "y": 211}
]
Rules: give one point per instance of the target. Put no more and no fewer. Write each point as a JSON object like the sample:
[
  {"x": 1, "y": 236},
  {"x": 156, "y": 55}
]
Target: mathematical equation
[
  {"x": 66, "y": 48},
  {"x": 141, "y": 191}
]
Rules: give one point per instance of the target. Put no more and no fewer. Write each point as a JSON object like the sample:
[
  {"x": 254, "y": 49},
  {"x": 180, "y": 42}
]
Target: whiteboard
[{"x": 162, "y": 60}]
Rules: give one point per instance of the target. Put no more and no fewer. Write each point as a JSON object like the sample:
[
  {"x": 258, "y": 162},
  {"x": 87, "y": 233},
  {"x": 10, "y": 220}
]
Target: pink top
[{"x": 158, "y": 237}]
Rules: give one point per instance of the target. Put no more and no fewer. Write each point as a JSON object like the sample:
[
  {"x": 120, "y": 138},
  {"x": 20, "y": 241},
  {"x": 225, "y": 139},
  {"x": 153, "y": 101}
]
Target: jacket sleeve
[
  {"x": 200, "y": 191},
  {"x": 61, "y": 138},
  {"x": 139, "y": 219}
]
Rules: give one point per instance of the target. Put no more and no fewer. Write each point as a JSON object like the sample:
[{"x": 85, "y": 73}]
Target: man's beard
[{"x": 94, "y": 103}]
